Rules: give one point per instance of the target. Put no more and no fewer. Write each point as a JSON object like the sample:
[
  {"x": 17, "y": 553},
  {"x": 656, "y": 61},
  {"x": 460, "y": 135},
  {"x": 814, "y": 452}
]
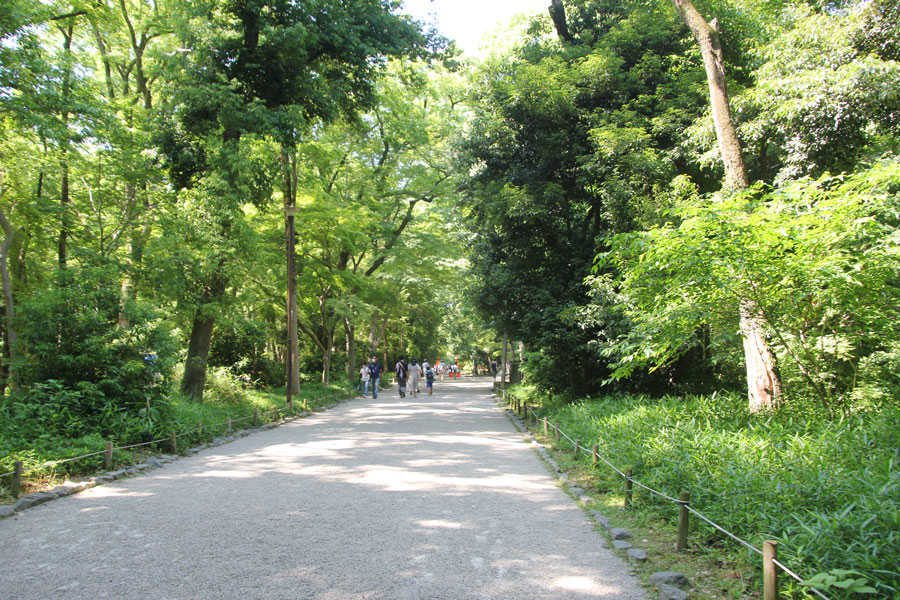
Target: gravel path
[{"x": 433, "y": 497}]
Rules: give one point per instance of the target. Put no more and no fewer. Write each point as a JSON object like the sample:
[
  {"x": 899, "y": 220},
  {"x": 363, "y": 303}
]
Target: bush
[
  {"x": 80, "y": 370},
  {"x": 827, "y": 489}
]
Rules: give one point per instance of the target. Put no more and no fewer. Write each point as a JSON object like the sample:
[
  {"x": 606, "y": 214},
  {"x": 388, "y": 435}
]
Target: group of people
[{"x": 409, "y": 375}]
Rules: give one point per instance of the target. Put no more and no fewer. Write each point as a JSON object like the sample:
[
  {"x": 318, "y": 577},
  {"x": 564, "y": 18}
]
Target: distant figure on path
[
  {"x": 414, "y": 372},
  {"x": 375, "y": 370},
  {"x": 364, "y": 380},
  {"x": 429, "y": 379},
  {"x": 401, "y": 370},
  {"x": 441, "y": 367},
  {"x": 494, "y": 368}
]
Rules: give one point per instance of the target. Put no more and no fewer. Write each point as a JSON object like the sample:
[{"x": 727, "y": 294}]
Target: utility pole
[
  {"x": 505, "y": 363},
  {"x": 292, "y": 382}
]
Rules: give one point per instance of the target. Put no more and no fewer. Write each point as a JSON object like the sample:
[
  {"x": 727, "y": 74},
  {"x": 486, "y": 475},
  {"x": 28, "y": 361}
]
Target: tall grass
[{"x": 826, "y": 487}]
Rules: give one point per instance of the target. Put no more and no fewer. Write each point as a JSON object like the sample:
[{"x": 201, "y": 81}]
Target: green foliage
[
  {"x": 827, "y": 489},
  {"x": 94, "y": 371},
  {"x": 818, "y": 258}
]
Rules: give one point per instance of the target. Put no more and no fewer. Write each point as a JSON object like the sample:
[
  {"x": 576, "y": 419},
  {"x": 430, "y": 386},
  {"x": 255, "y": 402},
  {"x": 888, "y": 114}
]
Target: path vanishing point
[{"x": 427, "y": 498}]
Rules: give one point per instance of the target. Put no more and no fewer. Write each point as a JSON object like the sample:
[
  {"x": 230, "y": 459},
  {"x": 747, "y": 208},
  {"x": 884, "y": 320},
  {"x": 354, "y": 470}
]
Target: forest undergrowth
[
  {"x": 825, "y": 486},
  {"x": 50, "y": 431}
]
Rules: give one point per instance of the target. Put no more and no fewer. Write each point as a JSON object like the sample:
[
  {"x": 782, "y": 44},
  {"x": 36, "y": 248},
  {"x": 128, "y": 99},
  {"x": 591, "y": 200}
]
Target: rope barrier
[
  {"x": 703, "y": 517},
  {"x": 690, "y": 509},
  {"x": 141, "y": 444},
  {"x": 657, "y": 492},
  {"x": 798, "y": 578}
]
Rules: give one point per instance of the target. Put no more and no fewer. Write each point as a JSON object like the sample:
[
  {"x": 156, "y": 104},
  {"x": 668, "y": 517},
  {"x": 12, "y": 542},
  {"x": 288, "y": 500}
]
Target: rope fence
[
  {"x": 19, "y": 472},
  {"x": 769, "y": 551}
]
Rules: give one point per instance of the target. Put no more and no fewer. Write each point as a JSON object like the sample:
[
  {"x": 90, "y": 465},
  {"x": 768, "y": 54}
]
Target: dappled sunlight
[
  {"x": 427, "y": 499},
  {"x": 229, "y": 474},
  {"x": 395, "y": 480},
  {"x": 110, "y": 491},
  {"x": 439, "y": 524}
]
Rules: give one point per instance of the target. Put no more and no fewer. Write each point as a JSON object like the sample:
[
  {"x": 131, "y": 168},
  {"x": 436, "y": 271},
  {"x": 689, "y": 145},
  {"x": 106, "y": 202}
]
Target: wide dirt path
[{"x": 433, "y": 497}]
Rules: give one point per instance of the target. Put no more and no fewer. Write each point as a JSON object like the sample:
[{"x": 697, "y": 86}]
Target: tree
[
  {"x": 763, "y": 384},
  {"x": 273, "y": 69}
]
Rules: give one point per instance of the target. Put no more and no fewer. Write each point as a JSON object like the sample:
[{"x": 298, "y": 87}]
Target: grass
[{"x": 825, "y": 487}]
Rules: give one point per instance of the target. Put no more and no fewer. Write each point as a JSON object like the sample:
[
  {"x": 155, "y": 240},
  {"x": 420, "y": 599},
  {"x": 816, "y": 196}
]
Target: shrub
[
  {"x": 827, "y": 488},
  {"x": 81, "y": 370}
]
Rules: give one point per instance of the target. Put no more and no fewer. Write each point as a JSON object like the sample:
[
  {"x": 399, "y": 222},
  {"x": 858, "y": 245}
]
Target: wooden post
[
  {"x": 683, "y": 515},
  {"x": 174, "y": 441},
  {"x": 595, "y": 456},
  {"x": 556, "y": 431},
  {"x": 109, "y": 461},
  {"x": 17, "y": 479},
  {"x": 628, "y": 488},
  {"x": 545, "y": 426},
  {"x": 255, "y": 416},
  {"x": 228, "y": 425},
  {"x": 200, "y": 427},
  {"x": 575, "y": 448},
  {"x": 770, "y": 581}
]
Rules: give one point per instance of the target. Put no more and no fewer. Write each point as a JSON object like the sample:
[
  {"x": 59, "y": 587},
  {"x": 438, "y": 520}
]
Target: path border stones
[{"x": 668, "y": 584}]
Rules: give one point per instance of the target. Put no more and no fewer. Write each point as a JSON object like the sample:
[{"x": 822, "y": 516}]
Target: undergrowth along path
[{"x": 391, "y": 498}]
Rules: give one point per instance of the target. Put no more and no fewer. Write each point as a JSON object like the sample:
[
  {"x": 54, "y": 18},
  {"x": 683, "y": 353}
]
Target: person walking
[
  {"x": 364, "y": 380},
  {"x": 440, "y": 370},
  {"x": 414, "y": 373},
  {"x": 375, "y": 370},
  {"x": 401, "y": 370},
  {"x": 429, "y": 379}
]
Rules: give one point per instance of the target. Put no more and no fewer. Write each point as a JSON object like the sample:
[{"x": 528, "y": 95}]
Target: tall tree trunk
[
  {"x": 63, "y": 240},
  {"x": 194, "y": 379},
  {"x": 9, "y": 312},
  {"x": 763, "y": 384},
  {"x": 292, "y": 374},
  {"x": 505, "y": 362},
  {"x": 350, "y": 332},
  {"x": 62, "y": 244},
  {"x": 558, "y": 15},
  {"x": 326, "y": 363}
]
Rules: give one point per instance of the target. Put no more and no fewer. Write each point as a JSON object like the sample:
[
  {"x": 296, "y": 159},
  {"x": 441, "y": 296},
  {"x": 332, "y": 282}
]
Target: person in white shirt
[
  {"x": 364, "y": 379},
  {"x": 414, "y": 372}
]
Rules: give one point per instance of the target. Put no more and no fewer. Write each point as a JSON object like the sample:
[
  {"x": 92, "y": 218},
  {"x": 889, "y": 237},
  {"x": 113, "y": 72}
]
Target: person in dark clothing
[
  {"x": 401, "y": 369},
  {"x": 375, "y": 370}
]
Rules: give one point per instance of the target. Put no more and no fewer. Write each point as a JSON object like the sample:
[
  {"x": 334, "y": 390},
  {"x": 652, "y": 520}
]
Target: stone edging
[
  {"x": 68, "y": 488},
  {"x": 669, "y": 584}
]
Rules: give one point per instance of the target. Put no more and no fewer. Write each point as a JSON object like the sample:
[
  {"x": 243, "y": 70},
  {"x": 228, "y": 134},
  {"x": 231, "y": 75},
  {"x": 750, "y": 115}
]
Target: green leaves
[
  {"x": 847, "y": 580},
  {"x": 818, "y": 258}
]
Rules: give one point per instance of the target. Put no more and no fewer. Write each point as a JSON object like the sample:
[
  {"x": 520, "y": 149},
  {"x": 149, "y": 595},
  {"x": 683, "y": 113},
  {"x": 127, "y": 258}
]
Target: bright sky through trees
[{"x": 470, "y": 21}]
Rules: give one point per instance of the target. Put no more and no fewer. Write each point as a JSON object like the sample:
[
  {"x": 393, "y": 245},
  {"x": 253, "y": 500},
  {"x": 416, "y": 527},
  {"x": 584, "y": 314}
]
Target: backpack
[
  {"x": 401, "y": 371},
  {"x": 373, "y": 370}
]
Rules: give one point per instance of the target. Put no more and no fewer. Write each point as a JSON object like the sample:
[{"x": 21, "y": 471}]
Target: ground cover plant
[{"x": 827, "y": 489}]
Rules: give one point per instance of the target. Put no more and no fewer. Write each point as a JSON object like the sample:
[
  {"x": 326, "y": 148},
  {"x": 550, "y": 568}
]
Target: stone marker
[
  {"x": 619, "y": 533},
  {"x": 668, "y": 592},
  {"x": 669, "y": 578},
  {"x": 637, "y": 554},
  {"x": 621, "y": 545},
  {"x": 603, "y": 521}
]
